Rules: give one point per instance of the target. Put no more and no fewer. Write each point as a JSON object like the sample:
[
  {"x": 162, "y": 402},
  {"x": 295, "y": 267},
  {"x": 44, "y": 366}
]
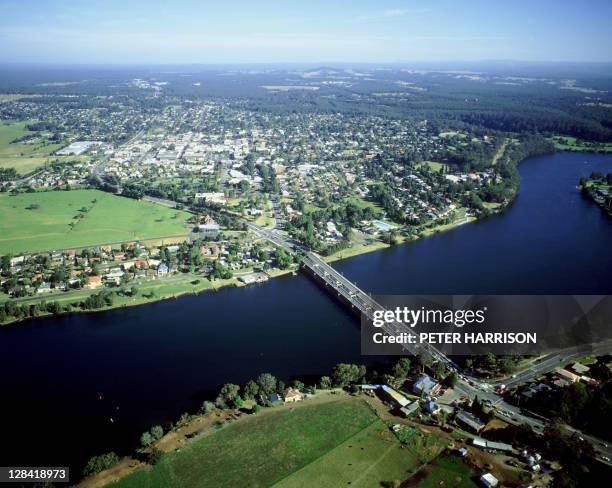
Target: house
[
  {"x": 489, "y": 480},
  {"x": 564, "y": 374},
  {"x": 162, "y": 270},
  {"x": 431, "y": 407},
  {"x": 276, "y": 398},
  {"x": 208, "y": 230},
  {"x": 425, "y": 385},
  {"x": 44, "y": 288},
  {"x": 208, "y": 220},
  {"x": 212, "y": 197},
  {"x": 210, "y": 251},
  {"x": 395, "y": 397},
  {"x": 292, "y": 395},
  {"x": 93, "y": 282},
  {"x": 469, "y": 421},
  {"x": 17, "y": 260},
  {"x": 580, "y": 369}
]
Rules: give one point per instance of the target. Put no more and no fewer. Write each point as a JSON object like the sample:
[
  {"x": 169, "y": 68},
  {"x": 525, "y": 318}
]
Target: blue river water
[{"x": 85, "y": 384}]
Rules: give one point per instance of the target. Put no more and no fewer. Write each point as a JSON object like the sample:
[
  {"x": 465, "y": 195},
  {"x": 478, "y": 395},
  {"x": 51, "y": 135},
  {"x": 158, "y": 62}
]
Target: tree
[
  {"x": 228, "y": 395},
  {"x": 283, "y": 260},
  {"x": 146, "y": 439},
  {"x": 207, "y": 407},
  {"x": 251, "y": 390},
  {"x": 425, "y": 358},
  {"x": 100, "y": 463},
  {"x": 345, "y": 374},
  {"x": 452, "y": 379},
  {"x": 267, "y": 383},
  {"x": 6, "y": 263},
  {"x": 155, "y": 456},
  {"x": 298, "y": 385},
  {"x": 401, "y": 369},
  {"x": 325, "y": 383},
  {"x": 438, "y": 369},
  {"x": 157, "y": 432}
]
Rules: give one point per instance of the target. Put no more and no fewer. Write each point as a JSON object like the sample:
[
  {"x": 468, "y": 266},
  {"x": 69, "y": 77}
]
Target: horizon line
[{"x": 318, "y": 63}]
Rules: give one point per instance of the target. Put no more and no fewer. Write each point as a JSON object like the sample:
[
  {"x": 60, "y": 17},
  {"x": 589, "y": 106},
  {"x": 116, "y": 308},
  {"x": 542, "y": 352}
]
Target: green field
[
  {"x": 41, "y": 221},
  {"x": 370, "y": 457},
  {"x": 260, "y": 450},
  {"x": 434, "y": 165},
  {"x": 450, "y": 472},
  {"x": 23, "y": 156},
  {"x": 330, "y": 444},
  {"x": 569, "y": 143}
]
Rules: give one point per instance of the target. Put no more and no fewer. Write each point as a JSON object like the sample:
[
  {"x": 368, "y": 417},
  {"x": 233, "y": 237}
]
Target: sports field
[
  {"x": 23, "y": 156},
  {"x": 62, "y": 219},
  {"x": 340, "y": 443}
]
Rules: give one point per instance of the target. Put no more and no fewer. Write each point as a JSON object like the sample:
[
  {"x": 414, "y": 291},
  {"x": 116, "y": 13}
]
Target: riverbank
[
  {"x": 599, "y": 189},
  {"x": 161, "y": 360},
  {"x": 152, "y": 291},
  {"x": 194, "y": 284},
  {"x": 573, "y": 144},
  {"x": 339, "y": 436}
]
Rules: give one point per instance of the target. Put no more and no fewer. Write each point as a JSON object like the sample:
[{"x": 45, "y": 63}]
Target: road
[
  {"x": 98, "y": 167},
  {"x": 468, "y": 386}
]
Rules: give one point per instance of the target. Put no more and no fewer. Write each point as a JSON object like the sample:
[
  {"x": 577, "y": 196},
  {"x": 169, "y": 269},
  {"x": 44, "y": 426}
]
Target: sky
[{"x": 312, "y": 31}]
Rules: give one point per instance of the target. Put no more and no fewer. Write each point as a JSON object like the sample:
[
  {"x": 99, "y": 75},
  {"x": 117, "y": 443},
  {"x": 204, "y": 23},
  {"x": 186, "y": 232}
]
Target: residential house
[
  {"x": 431, "y": 407},
  {"x": 469, "y": 421},
  {"x": 425, "y": 385},
  {"x": 93, "y": 282},
  {"x": 564, "y": 374},
  {"x": 292, "y": 395}
]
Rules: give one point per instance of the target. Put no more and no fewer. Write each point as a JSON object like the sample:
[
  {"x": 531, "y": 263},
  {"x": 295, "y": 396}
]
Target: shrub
[
  {"x": 155, "y": 456},
  {"x": 100, "y": 463}
]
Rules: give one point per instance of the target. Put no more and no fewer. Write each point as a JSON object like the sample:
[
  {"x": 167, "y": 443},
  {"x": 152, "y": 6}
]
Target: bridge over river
[{"x": 347, "y": 291}]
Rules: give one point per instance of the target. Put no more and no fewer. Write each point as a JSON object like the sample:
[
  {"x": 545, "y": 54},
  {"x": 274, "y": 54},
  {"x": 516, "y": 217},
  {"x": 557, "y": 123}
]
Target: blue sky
[{"x": 313, "y": 31}]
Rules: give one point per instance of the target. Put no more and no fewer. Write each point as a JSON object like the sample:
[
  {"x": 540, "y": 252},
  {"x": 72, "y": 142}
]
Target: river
[{"x": 84, "y": 384}]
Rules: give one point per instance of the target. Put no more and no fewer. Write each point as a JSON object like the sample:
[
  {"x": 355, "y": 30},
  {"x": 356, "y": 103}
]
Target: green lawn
[
  {"x": 23, "y": 156},
  {"x": 47, "y": 220},
  {"x": 370, "y": 457},
  {"x": 569, "y": 143},
  {"x": 434, "y": 165},
  {"x": 449, "y": 472},
  {"x": 261, "y": 450}
]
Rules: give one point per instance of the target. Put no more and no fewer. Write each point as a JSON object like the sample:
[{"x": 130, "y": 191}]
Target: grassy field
[
  {"x": 54, "y": 220},
  {"x": 370, "y": 457},
  {"x": 261, "y": 450},
  {"x": 569, "y": 143},
  {"x": 23, "y": 156},
  {"x": 434, "y": 165},
  {"x": 450, "y": 472}
]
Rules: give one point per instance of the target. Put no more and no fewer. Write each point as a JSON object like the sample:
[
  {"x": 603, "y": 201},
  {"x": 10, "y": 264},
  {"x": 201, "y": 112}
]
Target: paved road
[{"x": 468, "y": 386}]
